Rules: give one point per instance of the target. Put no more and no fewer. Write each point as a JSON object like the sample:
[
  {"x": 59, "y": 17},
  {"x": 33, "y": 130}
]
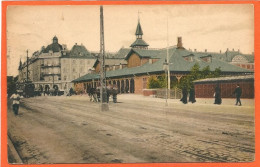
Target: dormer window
[
  {"x": 207, "y": 59},
  {"x": 189, "y": 58}
]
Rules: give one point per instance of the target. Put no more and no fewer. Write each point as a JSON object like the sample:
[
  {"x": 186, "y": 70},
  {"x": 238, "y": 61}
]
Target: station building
[{"x": 139, "y": 62}]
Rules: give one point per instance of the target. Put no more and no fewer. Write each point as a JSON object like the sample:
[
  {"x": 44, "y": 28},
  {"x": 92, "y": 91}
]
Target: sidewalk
[{"x": 201, "y": 101}]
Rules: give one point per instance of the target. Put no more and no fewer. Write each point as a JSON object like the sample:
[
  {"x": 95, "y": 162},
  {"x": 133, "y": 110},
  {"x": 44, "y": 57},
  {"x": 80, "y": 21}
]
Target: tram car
[{"x": 26, "y": 89}]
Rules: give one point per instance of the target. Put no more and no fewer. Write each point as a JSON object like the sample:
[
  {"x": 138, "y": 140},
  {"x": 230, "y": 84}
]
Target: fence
[{"x": 174, "y": 93}]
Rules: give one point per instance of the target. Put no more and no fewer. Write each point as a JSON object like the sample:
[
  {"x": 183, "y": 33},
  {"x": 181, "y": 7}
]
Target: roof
[
  {"x": 138, "y": 29},
  {"x": 139, "y": 42},
  {"x": 78, "y": 51},
  {"x": 111, "y": 62},
  {"x": 144, "y": 53},
  {"x": 177, "y": 63},
  {"x": 55, "y": 47},
  {"x": 122, "y": 53},
  {"x": 222, "y": 79}
]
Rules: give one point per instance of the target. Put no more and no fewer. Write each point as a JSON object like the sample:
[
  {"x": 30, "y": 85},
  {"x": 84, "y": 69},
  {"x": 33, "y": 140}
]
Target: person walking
[
  {"x": 184, "y": 95},
  {"x": 217, "y": 95},
  {"x": 192, "y": 95},
  {"x": 16, "y": 102},
  {"x": 238, "y": 93}
]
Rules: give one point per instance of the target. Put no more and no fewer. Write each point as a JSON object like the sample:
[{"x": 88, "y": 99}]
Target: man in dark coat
[
  {"x": 238, "y": 93},
  {"x": 184, "y": 95},
  {"x": 218, "y": 95},
  {"x": 192, "y": 95}
]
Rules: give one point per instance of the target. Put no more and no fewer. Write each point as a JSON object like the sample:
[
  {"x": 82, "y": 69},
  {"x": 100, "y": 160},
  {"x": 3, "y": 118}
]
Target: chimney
[
  {"x": 238, "y": 51},
  {"x": 233, "y": 49},
  {"x": 76, "y": 44},
  {"x": 179, "y": 44},
  {"x": 195, "y": 50},
  {"x": 220, "y": 51},
  {"x": 206, "y": 50}
]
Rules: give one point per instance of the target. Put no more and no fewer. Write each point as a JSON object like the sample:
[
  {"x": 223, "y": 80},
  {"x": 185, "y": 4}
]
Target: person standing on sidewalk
[
  {"x": 217, "y": 95},
  {"x": 16, "y": 102},
  {"x": 238, "y": 93}
]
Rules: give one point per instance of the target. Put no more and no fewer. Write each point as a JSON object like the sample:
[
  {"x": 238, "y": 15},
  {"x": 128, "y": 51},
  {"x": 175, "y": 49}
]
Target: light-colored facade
[{"x": 55, "y": 65}]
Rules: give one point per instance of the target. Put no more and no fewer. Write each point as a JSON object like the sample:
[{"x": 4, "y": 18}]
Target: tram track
[{"x": 63, "y": 105}]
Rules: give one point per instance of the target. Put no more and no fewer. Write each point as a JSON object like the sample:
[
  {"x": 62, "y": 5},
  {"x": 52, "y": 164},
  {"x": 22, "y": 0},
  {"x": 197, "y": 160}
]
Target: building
[
  {"x": 205, "y": 88},
  {"x": 143, "y": 62},
  {"x": 54, "y": 65}
]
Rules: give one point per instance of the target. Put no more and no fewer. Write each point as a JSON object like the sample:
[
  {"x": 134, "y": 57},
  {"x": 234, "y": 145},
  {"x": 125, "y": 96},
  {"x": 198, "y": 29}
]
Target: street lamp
[{"x": 166, "y": 69}]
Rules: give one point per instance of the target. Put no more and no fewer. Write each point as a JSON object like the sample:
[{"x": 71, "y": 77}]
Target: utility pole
[
  {"x": 27, "y": 64},
  {"x": 103, "y": 92}
]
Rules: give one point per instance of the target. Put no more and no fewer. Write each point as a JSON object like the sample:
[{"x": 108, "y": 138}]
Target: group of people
[
  {"x": 94, "y": 93},
  {"x": 217, "y": 95},
  {"x": 184, "y": 98}
]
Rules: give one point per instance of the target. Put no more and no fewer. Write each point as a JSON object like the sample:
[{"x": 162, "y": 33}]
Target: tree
[
  {"x": 153, "y": 82},
  {"x": 196, "y": 74}
]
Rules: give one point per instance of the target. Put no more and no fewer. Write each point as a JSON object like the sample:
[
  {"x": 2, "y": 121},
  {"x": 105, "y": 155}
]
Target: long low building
[
  {"x": 205, "y": 88},
  {"x": 140, "y": 62}
]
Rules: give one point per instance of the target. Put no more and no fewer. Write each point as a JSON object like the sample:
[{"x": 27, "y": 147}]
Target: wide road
[{"x": 135, "y": 130}]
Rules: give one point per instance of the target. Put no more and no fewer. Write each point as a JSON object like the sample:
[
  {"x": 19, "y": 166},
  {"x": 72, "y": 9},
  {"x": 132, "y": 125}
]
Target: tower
[{"x": 139, "y": 42}]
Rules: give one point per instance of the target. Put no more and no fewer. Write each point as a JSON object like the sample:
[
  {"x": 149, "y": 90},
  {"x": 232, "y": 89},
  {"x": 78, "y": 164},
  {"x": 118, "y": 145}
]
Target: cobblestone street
[{"x": 137, "y": 129}]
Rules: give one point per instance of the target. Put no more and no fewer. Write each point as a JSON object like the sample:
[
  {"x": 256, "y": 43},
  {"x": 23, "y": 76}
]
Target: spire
[
  {"x": 20, "y": 65},
  {"x": 139, "y": 31}
]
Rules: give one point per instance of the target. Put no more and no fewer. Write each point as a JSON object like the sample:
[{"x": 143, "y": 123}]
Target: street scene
[
  {"x": 162, "y": 83},
  {"x": 137, "y": 129}
]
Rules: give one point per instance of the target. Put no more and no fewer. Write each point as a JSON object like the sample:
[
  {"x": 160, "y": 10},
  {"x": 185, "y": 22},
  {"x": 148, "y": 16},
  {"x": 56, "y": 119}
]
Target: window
[
  {"x": 65, "y": 78},
  {"x": 73, "y": 70},
  {"x": 73, "y": 61}
]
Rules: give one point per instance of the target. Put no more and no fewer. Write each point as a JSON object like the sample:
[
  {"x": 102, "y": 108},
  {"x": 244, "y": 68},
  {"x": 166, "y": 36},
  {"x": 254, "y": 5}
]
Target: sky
[{"x": 211, "y": 27}]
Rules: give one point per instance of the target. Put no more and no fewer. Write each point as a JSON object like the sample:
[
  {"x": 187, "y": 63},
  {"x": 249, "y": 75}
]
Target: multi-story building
[{"x": 56, "y": 66}]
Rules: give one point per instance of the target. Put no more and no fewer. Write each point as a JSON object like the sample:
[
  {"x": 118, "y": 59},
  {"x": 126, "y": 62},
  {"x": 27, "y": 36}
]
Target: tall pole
[
  {"x": 27, "y": 71},
  {"x": 103, "y": 93}
]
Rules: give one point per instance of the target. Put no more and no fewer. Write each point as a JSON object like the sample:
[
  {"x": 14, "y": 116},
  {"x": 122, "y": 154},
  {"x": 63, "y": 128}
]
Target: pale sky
[{"x": 211, "y": 27}]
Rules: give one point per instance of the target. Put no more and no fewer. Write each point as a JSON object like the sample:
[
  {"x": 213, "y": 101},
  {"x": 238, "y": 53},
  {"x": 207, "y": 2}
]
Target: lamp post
[{"x": 166, "y": 69}]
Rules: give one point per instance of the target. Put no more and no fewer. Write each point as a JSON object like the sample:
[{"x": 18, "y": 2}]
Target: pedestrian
[
  {"x": 217, "y": 95},
  {"x": 238, "y": 93},
  {"x": 192, "y": 95},
  {"x": 114, "y": 93},
  {"x": 184, "y": 95},
  {"x": 16, "y": 102},
  {"x": 71, "y": 92}
]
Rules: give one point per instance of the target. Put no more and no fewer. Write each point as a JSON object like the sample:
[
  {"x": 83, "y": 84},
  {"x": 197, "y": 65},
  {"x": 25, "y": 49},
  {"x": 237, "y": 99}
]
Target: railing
[{"x": 175, "y": 93}]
